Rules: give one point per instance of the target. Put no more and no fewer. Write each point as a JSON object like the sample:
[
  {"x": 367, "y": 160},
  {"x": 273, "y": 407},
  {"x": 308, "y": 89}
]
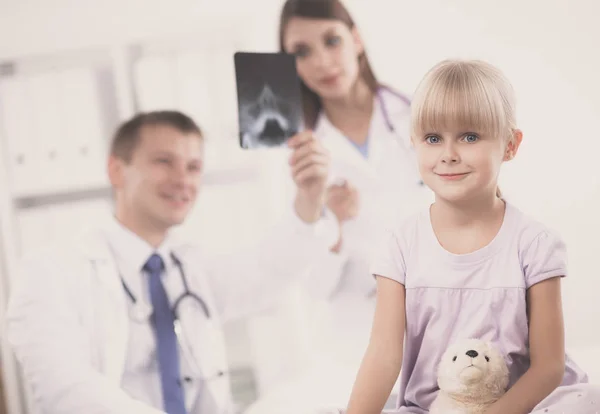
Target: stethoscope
[
  {"x": 142, "y": 313},
  {"x": 386, "y": 115},
  {"x": 384, "y": 111}
]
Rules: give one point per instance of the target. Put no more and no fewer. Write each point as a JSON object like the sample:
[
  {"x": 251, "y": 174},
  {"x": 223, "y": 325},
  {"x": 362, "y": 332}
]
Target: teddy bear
[{"x": 472, "y": 375}]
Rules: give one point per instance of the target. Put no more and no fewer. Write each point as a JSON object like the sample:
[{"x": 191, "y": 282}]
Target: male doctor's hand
[
  {"x": 309, "y": 164},
  {"x": 343, "y": 201}
]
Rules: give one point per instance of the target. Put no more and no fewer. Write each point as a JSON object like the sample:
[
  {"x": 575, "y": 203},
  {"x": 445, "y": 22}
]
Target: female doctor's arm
[
  {"x": 253, "y": 279},
  {"x": 52, "y": 348}
]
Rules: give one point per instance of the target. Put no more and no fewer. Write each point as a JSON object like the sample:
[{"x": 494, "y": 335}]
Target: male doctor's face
[{"x": 159, "y": 185}]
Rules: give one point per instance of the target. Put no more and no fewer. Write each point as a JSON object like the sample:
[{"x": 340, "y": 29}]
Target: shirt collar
[{"x": 132, "y": 252}]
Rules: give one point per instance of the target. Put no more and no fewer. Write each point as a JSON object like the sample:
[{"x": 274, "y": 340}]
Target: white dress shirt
[{"x": 141, "y": 378}]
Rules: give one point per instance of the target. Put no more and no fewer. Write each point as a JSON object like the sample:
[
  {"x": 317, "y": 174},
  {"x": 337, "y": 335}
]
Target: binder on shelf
[
  {"x": 84, "y": 145},
  {"x": 17, "y": 132},
  {"x": 48, "y": 129},
  {"x": 154, "y": 83}
]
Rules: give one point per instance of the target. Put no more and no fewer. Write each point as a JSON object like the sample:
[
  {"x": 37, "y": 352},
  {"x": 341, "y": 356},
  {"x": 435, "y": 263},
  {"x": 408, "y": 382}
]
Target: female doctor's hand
[{"x": 310, "y": 168}]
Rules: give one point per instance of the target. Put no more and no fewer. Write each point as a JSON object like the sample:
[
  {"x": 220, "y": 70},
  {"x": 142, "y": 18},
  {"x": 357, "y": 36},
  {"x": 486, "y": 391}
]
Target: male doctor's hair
[
  {"x": 127, "y": 135},
  {"x": 328, "y": 10},
  {"x": 469, "y": 95}
]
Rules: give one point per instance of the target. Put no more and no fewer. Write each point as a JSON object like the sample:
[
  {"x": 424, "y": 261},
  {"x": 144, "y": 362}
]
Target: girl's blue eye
[
  {"x": 471, "y": 138},
  {"x": 432, "y": 139}
]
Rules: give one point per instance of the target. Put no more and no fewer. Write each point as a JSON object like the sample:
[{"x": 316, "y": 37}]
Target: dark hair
[
  {"x": 126, "y": 138},
  {"x": 321, "y": 9}
]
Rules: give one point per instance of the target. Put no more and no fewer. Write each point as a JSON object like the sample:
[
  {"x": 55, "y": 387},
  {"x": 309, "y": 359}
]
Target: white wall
[
  {"x": 548, "y": 48},
  {"x": 550, "y": 51}
]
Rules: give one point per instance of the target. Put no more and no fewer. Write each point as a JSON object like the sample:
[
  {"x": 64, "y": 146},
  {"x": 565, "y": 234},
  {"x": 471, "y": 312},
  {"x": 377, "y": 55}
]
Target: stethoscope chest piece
[{"x": 141, "y": 312}]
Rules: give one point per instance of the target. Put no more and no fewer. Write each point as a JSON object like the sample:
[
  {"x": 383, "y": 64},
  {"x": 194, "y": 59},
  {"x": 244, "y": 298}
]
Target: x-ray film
[{"x": 269, "y": 99}]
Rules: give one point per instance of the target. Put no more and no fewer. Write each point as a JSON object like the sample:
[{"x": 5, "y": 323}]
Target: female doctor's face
[
  {"x": 326, "y": 53},
  {"x": 158, "y": 186}
]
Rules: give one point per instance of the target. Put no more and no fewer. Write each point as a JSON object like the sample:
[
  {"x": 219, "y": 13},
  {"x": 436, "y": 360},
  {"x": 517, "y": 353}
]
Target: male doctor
[{"x": 93, "y": 324}]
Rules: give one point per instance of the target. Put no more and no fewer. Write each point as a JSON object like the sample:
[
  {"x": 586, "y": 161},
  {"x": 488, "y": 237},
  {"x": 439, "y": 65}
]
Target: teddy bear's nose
[{"x": 472, "y": 353}]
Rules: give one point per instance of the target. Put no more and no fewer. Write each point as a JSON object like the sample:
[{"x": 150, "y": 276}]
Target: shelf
[
  {"x": 67, "y": 195},
  {"x": 33, "y": 200}
]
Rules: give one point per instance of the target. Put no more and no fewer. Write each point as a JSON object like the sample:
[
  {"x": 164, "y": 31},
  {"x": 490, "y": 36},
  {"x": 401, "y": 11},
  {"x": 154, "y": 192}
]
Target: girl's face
[
  {"x": 460, "y": 165},
  {"x": 326, "y": 53}
]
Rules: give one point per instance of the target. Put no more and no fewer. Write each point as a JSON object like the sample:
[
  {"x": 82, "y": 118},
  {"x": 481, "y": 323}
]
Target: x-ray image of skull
[{"x": 267, "y": 121}]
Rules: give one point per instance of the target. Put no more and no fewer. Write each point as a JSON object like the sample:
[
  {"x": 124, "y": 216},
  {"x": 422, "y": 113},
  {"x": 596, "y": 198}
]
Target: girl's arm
[
  {"x": 546, "y": 347},
  {"x": 382, "y": 361}
]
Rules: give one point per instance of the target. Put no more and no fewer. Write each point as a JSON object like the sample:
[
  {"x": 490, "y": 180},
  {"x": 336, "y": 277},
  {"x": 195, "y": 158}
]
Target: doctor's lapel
[
  {"x": 204, "y": 335},
  {"x": 342, "y": 148},
  {"x": 110, "y": 306},
  {"x": 203, "y": 360}
]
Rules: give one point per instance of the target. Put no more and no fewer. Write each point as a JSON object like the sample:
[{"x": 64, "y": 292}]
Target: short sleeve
[
  {"x": 544, "y": 258},
  {"x": 389, "y": 259}
]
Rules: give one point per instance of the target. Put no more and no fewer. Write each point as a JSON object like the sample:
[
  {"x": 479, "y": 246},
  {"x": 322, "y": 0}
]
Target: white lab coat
[
  {"x": 389, "y": 187},
  {"x": 329, "y": 322},
  {"x": 68, "y": 319}
]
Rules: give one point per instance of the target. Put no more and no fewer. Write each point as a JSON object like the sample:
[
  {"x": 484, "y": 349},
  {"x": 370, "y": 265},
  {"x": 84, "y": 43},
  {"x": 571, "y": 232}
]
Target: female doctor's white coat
[
  {"x": 390, "y": 189},
  {"x": 388, "y": 184},
  {"x": 330, "y": 322},
  {"x": 68, "y": 318}
]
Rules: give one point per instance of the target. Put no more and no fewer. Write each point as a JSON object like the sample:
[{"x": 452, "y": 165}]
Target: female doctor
[
  {"x": 364, "y": 125},
  {"x": 374, "y": 179}
]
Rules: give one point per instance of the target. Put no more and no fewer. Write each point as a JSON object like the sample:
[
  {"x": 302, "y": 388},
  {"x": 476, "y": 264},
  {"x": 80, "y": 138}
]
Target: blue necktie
[{"x": 166, "y": 340}]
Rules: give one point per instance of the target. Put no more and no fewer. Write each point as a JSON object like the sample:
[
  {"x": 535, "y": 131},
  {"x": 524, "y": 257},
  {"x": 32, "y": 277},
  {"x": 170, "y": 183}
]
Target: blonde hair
[{"x": 464, "y": 94}]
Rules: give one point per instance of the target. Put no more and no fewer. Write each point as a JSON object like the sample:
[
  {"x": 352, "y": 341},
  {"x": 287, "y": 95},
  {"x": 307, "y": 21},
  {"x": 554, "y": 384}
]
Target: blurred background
[{"x": 71, "y": 70}]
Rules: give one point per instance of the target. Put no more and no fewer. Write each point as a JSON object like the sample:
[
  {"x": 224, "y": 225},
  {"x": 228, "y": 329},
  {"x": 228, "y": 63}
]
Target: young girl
[{"x": 470, "y": 266}]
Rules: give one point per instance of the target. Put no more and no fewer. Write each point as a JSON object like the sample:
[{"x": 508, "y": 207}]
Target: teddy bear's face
[{"x": 473, "y": 369}]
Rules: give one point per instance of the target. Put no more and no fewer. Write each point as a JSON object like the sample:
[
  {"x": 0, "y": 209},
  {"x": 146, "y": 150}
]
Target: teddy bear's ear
[{"x": 499, "y": 378}]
